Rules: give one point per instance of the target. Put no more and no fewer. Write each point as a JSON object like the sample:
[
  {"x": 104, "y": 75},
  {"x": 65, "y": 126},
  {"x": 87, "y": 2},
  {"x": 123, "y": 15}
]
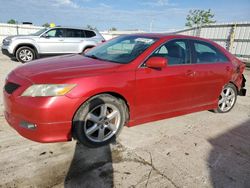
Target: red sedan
[{"x": 129, "y": 80}]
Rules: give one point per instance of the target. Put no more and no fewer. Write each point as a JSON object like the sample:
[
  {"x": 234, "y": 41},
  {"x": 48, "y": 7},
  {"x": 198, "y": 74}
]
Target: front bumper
[
  {"x": 7, "y": 50},
  {"x": 52, "y": 116}
]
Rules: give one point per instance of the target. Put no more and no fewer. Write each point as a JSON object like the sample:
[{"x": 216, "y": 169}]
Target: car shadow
[
  {"x": 229, "y": 160},
  {"x": 90, "y": 167}
]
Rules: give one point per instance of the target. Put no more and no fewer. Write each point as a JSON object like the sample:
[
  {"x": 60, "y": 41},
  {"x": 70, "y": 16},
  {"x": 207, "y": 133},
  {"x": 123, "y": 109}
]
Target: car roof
[
  {"x": 168, "y": 35},
  {"x": 81, "y": 28}
]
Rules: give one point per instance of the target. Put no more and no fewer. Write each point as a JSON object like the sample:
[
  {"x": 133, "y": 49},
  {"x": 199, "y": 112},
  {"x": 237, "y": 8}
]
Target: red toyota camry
[{"x": 129, "y": 80}]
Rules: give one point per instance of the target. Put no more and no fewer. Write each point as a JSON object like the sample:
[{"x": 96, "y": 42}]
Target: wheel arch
[
  {"x": 28, "y": 45},
  {"x": 112, "y": 93},
  {"x": 86, "y": 47},
  {"x": 237, "y": 89},
  {"x": 115, "y": 94}
]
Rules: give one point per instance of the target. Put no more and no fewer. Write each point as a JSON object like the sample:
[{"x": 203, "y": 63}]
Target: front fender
[{"x": 25, "y": 42}]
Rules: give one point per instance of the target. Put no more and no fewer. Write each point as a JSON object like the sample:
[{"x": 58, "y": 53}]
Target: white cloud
[
  {"x": 105, "y": 5},
  {"x": 69, "y": 3},
  {"x": 158, "y": 3},
  {"x": 103, "y": 16}
]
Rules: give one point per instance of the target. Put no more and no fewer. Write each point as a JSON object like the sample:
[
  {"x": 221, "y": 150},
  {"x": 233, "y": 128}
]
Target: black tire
[
  {"x": 30, "y": 56},
  {"x": 80, "y": 119},
  {"x": 233, "y": 90}
]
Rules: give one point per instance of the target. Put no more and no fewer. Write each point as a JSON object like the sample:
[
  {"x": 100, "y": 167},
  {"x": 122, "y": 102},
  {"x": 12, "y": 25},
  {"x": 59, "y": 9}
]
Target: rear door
[
  {"x": 212, "y": 70},
  {"x": 169, "y": 89},
  {"x": 72, "y": 39}
]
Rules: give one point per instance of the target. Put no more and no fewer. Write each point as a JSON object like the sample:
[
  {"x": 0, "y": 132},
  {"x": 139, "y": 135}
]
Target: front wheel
[
  {"x": 25, "y": 54},
  {"x": 99, "y": 120},
  {"x": 227, "y": 98}
]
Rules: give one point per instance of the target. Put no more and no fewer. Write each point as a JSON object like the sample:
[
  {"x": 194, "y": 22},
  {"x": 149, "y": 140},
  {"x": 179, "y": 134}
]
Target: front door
[
  {"x": 52, "y": 42},
  {"x": 169, "y": 89}
]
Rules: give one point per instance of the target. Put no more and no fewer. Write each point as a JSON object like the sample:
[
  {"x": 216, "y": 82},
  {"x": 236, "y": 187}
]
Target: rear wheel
[
  {"x": 99, "y": 121},
  {"x": 25, "y": 54},
  {"x": 227, "y": 98}
]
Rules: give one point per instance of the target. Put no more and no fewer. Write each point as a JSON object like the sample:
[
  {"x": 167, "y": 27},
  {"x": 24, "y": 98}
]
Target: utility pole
[{"x": 151, "y": 26}]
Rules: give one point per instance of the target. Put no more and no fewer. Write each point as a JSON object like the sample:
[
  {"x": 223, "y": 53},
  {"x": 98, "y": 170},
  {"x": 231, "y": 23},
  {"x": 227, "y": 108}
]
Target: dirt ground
[{"x": 203, "y": 149}]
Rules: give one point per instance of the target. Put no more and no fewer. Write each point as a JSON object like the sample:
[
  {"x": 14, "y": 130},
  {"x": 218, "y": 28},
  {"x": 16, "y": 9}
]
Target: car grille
[{"x": 11, "y": 87}]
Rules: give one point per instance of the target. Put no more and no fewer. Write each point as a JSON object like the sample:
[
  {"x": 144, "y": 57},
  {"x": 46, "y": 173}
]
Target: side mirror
[
  {"x": 45, "y": 35},
  {"x": 156, "y": 62}
]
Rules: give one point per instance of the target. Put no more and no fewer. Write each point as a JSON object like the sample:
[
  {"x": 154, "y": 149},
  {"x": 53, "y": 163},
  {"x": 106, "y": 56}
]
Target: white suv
[{"x": 50, "y": 41}]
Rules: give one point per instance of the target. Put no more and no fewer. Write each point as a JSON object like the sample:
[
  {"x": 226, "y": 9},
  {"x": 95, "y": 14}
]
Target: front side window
[
  {"x": 121, "y": 49},
  {"x": 206, "y": 53},
  {"x": 55, "y": 33},
  {"x": 176, "y": 52}
]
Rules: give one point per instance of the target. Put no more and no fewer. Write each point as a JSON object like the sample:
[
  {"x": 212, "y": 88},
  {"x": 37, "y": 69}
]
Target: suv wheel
[
  {"x": 99, "y": 120},
  {"x": 25, "y": 54}
]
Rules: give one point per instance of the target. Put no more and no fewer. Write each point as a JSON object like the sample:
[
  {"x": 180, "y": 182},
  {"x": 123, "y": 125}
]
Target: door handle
[
  {"x": 61, "y": 39},
  {"x": 190, "y": 73},
  {"x": 227, "y": 68}
]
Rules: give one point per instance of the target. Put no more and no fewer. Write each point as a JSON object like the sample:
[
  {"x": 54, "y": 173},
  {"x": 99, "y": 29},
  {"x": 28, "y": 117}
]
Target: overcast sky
[{"x": 122, "y": 14}]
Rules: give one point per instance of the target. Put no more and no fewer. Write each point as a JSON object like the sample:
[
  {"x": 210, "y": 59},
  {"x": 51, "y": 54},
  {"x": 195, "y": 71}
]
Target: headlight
[
  {"x": 48, "y": 90},
  {"x": 6, "y": 42}
]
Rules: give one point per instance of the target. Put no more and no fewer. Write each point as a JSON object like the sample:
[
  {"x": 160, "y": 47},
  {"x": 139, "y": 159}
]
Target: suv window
[
  {"x": 207, "y": 53},
  {"x": 176, "y": 51},
  {"x": 55, "y": 33},
  {"x": 89, "y": 34},
  {"x": 74, "y": 33}
]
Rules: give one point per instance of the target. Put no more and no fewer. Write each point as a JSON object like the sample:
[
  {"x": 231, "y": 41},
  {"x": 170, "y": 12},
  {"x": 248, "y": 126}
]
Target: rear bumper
[{"x": 243, "y": 91}]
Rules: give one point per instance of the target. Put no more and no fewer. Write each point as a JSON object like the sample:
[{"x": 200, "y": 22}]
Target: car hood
[
  {"x": 65, "y": 67},
  {"x": 14, "y": 37}
]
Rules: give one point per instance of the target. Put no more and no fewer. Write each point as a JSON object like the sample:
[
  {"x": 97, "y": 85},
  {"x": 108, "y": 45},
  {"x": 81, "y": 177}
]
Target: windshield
[
  {"x": 38, "y": 33},
  {"x": 122, "y": 49}
]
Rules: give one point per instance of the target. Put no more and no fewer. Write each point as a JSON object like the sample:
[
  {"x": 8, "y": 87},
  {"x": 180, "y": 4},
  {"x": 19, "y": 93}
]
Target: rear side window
[
  {"x": 89, "y": 34},
  {"x": 74, "y": 33},
  {"x": 207, "y": 53},
  {"x": 176, "y": 51}
]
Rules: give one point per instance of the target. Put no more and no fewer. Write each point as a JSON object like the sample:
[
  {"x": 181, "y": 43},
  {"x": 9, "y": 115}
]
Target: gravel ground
[{"x": 202, "y": 149}]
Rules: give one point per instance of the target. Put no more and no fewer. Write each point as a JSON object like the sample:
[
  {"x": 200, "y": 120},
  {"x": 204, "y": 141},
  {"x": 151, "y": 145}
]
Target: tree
[
  {"x": 90, "y": 27},
  {"x": 12, "y": 21},
  {"x": 46, "y": 25},
  {"x": 113, "y": 29},
  {"x": 198, "y": 18}
]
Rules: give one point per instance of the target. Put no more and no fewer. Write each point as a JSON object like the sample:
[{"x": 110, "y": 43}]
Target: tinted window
[
  {"x": 55, "y": 33},
  {"x": 207, "y": 53},
  {"x": 89, "y": 34},
  {"x": 74, "y": 33},
  {"x": 177, "y": 52}
]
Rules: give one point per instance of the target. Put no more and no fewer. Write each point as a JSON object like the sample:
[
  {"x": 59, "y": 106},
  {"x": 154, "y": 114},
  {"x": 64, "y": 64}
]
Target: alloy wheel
[
  {"x": 26, "y": 55},
  {"x": 227, "y": 99},
  {"x": 102, "y": 122}
]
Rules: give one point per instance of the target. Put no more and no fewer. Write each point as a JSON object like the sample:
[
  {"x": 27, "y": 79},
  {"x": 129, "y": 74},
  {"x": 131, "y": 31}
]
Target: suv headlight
[
  {"x": 48, "y": 90},
  {"x": 6, "y": 42}
]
